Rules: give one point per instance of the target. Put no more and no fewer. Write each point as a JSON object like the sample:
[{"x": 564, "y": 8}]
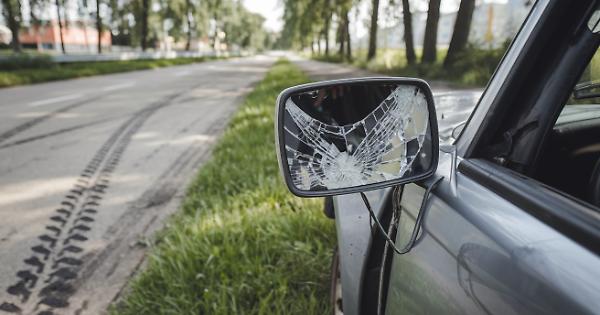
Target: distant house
[{"x": 77, "y": 37}]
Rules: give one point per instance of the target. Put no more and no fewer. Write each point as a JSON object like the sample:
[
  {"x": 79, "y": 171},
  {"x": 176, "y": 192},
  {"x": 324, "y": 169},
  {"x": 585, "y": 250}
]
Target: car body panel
[
  {"x": 481, "y": 254},
  {"x": 354, "y": 240}
]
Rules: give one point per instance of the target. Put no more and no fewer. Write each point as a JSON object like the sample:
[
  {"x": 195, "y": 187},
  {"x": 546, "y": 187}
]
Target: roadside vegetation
[
  {"x": 323, "y": 30},
  {"x": 25, "y": 69},
  {"x": 241, "y": 244},
  {"x": 473, "y": 67}
]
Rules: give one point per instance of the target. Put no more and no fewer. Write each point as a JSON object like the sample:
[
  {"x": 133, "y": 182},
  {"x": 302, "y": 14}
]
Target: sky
[{"x": 272, "y": 10}]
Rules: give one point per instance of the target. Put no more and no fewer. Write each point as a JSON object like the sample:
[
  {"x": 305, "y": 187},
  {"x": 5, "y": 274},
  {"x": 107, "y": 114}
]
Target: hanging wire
[{"x": 396, "y": 220}]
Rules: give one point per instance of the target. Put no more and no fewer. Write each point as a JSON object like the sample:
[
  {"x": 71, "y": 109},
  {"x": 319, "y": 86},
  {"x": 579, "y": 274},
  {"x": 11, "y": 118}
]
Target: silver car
[{"x": 495, "y": 214}]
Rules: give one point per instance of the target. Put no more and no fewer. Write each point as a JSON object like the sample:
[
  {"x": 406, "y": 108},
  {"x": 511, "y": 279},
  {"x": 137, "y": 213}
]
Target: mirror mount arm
[{"x": 418, "y": 221}]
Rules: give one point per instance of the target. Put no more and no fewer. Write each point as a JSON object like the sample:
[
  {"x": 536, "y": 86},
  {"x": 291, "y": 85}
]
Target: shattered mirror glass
[{"x": 356, "y": 134}]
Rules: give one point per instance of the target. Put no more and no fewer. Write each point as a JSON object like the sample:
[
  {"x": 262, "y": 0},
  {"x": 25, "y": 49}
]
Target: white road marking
[
  {"x": 118, "y": 86},
  {"x": 48, "y": 101}
]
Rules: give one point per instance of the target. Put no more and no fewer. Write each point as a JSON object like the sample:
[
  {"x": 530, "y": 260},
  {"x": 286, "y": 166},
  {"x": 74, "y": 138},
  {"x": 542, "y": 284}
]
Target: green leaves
[{"x": 187, "y": 21}]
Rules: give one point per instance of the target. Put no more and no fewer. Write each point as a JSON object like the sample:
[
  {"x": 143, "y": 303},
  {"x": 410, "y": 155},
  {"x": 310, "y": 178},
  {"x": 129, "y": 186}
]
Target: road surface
[{"x": 90, "y": 168}]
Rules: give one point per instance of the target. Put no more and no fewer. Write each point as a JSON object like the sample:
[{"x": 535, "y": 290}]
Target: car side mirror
[{"x": 353, "y": 135}]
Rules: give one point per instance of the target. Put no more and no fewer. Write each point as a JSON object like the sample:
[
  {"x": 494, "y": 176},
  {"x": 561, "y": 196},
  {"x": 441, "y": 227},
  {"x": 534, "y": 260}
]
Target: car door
[
  {"x": 479, "y": 253},
  {"x": 493, "y": 240}
]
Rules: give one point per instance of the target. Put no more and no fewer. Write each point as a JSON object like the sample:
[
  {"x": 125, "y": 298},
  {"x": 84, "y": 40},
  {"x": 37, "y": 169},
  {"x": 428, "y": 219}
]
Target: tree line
[
  {"x": 310, "y": 22},
  {"x": 142, "y": 22}
]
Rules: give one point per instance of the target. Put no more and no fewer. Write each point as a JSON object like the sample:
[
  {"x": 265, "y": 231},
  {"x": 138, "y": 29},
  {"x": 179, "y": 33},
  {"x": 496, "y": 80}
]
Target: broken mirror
[{"x": 351, "y": 135}]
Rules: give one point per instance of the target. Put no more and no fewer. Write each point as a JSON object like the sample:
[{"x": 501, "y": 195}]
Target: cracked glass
[{"x": 351, "y": 135}]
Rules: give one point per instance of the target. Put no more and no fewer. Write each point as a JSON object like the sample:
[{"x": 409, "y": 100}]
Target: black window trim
[{"x": 574, "y": 218}]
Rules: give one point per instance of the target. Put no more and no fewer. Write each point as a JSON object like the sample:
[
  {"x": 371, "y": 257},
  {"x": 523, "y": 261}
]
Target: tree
[
  {"x": 347, "y": 32},
  {"x": 460, "y": 35},
  {"x": 341, "y": 37},
  {"x": 144, "y": 24},
  {"x": 327, "y": 14},
  {"x": 243, "y": 28},
  {"x": 83, "y": 13},
  {"x": 373, "y": 30},
  {"x": 408, "y": 33},
  {"x": 189, "y": 12},
  {"x": 307, "y": 20},
  {"x": 304, "y": 20},
  {"x": 36, "y": 7},
  {"x": 60, "y": 25},
  {"x": 12, "y": 14},
  {"x": 99, "y": 26},
  {"x": 184, "y": 17},
  {"x": 215, "y": 10},
  {"x": 431, "y": 27}
]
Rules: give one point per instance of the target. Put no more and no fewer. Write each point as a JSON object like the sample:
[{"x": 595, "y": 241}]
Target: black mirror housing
[{"x": 353, "y": 135}]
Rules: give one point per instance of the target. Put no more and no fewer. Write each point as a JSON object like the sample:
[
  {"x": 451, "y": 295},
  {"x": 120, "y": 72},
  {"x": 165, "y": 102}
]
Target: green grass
[
  {"x": 27, "y": 70},
  {"x": 474, "y": 67},
  {"x": 242, "y": 244}
]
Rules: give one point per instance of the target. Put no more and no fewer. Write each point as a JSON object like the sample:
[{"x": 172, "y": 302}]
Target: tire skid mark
[
  {"x": 53, "y": 133},
  {"x": 55, "y": 262},
  {"x": 28, "y": 124},
  {"x": 161, "y": 192}
]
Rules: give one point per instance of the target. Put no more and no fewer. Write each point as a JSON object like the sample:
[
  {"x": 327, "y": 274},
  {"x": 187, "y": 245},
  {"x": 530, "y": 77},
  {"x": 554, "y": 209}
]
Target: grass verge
[
  {"x": 36, "y": 70},
  {"x": 242, "y": 244}
]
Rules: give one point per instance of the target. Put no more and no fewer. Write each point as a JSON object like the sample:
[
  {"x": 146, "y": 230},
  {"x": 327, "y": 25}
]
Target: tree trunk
[
  {"x": 431, "y": 28},
  {"x": 99, "y": 26},
  {"x": 326, "y": 33},
  {"x": 144, "y": 39},
  {"x": 411, "y": 58},
  {"x": 188, "y": 12},
  {"x": 341, "y": 38},
  {"x": 373, "y": 31},
  {"x": 347, "y": 34},
  {"x": 60, "y": 27},
  {"x": 460, "y": 35},
  {"x": 13, "y": 24},
  {"x": 319, "y": 44}
]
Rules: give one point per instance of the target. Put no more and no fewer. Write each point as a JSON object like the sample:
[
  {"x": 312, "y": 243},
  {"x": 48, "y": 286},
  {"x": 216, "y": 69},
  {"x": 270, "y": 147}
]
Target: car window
[
  {"x": 455, "y": 105},
  {"x": 587, "y": 89},
  {"x": 570, "y": 160},
  {"x": 584, "y": 102}
]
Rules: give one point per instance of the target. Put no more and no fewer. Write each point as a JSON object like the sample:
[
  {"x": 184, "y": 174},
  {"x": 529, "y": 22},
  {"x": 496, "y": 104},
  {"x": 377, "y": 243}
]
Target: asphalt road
[{"x": 89, "y": 168}]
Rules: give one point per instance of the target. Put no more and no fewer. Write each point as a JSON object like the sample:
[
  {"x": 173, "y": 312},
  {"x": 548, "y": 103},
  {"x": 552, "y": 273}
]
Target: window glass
[
  {"x": 587, "y": 90},
  {"x": 570, "y": 161}
]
